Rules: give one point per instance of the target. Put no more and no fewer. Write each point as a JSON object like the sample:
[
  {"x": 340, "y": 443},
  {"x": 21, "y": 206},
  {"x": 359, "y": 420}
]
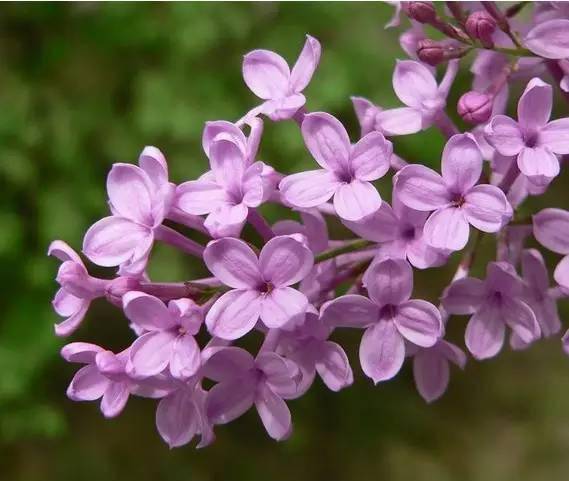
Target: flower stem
[
  {"x": 260, "y": 224},
  {"x": 175, "y": 239},
  {"x": 446, "y": 125},
  {"x": 351, "y": 247},
  {"x": 192, "y": 221}
]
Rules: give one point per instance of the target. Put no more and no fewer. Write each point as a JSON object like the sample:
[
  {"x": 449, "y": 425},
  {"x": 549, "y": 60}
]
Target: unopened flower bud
[
  {"x": 75, "y": 279},
  {"x": 475, "y": 107},
  {"x": 118, "y": 287},
  {"x": 422, "y": 12},
  {"x": 481, "y": 25},
  {"x": 430, "y": 52}
]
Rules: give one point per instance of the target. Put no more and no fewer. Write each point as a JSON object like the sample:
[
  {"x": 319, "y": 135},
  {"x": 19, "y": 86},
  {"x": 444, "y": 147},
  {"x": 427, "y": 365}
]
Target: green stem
[{"x": 351, "y": 247}]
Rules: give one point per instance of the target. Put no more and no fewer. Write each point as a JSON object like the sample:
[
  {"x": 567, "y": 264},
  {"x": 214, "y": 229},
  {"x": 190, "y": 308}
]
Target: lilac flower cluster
[{"x": 187, "y": 351}]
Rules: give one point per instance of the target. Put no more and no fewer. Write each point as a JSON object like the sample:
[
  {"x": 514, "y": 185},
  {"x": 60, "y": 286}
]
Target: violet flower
[
  {"x": 399, "y": 231},
  {"x": 104, "y": 377},
  {"x": 269, "y": 77},
  {"x": 347, "y": 171},
  {"x": 261, "y": 285},
  {"x": 168, "y": 339},
  {"x": 495, "y": 303},
  {"x": 389, "y": 318},
  {"x": 454, "y": 196},
  {"x": 549, "y": 39},
  {"x": 139, "y": 198},
  {"x": 533, "y": 139},
  {"x": 551, "y": 230},
  {"x": 243, "y": 382}
]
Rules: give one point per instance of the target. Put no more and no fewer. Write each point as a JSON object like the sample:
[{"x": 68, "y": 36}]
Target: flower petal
[
  {"x": 333, "y": 366},
  {"x": 561, "y": 273},
  {"x": 115, "y": 399},
  {"x": 400, "y": 121},
  {"x": 234, "y": 314},
  {"x": 505, "y": 135},
  {"x": 356, "y": 200},
  {"x": 228, "y": 400},
  {"x": 382, "y": 351},
  {"x": 281, "y": 306},
  {"x": 551, "y": 229},
  {"x": 113, "y": 240},
  {"x": 350, "y": 311},
  {"x": 413, "y": 83},
  {"x": 485, "y": 207},
  {"x": 67, "y": 305},
  {"x": 200, "y": 197},
  {"x": 538, "y": 162},
  {"x": 389, "y": 281},
  {"x": 185, "y": 357},
  {"x": 228, "y": 163},
  {"x": 82, "y": 352},
  {"x": 521, "y": 319},
  {"x": 266, "y": 74},
  {"x": 226, "y": 220},
  {"x": 534, "y": 270},
  {"x": 150, "y": 354},
  {"x": 549, "y": 39},
  {"x": 419, "y": 322},
  {"x": 370, "y": 157},
  {"x": 226, "y": 363},
  {"x": 152, "y": 161},
  {"x": 461, "y": 163},
  {"x": 485, "y": 332},
  {"x": 284, "y": 261},
  {"x": 274, "y": 413},
  {"x": 421, "y": 188},
  {"x": 306, "y": 64},
  {"x": 327, "y": 140},
  {"x": 88, "y": 384},
  {"x": 534, "y": 106},
  {"x": 233, "y": 262},
  {"x": 381, "y": 226},
  {"x": 464, "y": 296},
  {"x": 447, "y": 229},
  {"x": 176, "y": 418},
  {"x": 63, "y": 252},
  {"x": 147, "y": 312},
  {"x": 309, "y": 189},
  {"x": 555, "y": 136},
  {"x": 431, "y": 374},
  {"x": 130, "y": 193}
]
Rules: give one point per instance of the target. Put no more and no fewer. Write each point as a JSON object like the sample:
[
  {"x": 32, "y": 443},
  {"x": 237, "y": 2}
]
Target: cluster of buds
[{"x": 185, "y": 350}]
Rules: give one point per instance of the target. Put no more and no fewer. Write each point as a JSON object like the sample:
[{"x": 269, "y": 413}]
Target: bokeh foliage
[{"x": 83, "y": 85}]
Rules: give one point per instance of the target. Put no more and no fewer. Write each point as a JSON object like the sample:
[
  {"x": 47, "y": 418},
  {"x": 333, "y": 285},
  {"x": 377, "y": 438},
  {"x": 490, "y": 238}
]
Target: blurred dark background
[{"x": 83, "y": 85}]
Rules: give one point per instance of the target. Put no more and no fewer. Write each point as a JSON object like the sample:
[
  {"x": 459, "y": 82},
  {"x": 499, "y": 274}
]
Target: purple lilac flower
[
  {"x": 104, "y": 377},
  {"x": 551, "y": 230},
  {"x": 533, "y": 139},
  {"x": 494, "y": 304},
  {"x": 399, "y": 231},
  {"x": 389, "y": 317},
  {"x": 139, "y": 198},
  {"x": 431, "y": 368},
  {"x": 269, "y": 77},
  {"x": 454, "y": 196},
  {"x": 243, "y": 381},
  {"x": 260, "y": 285},
  {"x": 308, "y": 346},
  {"x": 168, "y": 339},
  {"x": 347, "y": 171}
]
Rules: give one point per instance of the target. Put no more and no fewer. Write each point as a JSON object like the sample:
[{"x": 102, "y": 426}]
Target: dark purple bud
[
  {"x": 480, "y": 25},
  {"x": 422, "y": 12},
  {"x": 119, "y": 287},
  {"x": 475, "y": 107},
  {"x": 431, "y": 52}
]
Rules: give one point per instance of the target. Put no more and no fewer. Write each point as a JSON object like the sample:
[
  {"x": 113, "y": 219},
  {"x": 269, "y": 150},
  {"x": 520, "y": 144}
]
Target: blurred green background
[{"x": 83, "y": 85}]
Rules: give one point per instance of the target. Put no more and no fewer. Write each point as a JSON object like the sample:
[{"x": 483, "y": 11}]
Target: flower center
[
  {"x": 267, "y": 288},
  {"x": 531, "y": 139},
  {"x": 408, "y": 233},
  {"x": 388, "y": 312},
  {"x": 457, "y": 200}
]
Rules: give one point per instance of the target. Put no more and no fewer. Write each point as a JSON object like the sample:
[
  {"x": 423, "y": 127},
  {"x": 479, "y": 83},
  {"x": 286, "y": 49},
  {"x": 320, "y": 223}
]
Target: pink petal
[
  {"x": 419, "y": 322},
  {"x": 153, "y": 163},
  {"x": 486, "y": 207},
  {"x": 431, "y": 373},
  {"x": 333, "y": 366},
  {"x": 327, "y": 140},
  {"x": 200, "y": 197},
  {"x": 461, "y": 163},
  {"x": 228, "y": 163},
  {"x": 356, "y": 200},
  {"x": 534, "y": 106},
  {"x": 284, "y": 261},
  {"x": 233, "y": 262},
  {"x": 113, "y": 240},
  {"x": 422, "y": 256},
  {"x": 485, "y": 333},
  {"x": 82, "y": 352},
  {"x": 226, "y": 220},
  {"x": 87, "y": 384},
  {"x": 281, "y": 306},
  {"x": 176, "y": 418},
  {"x": 266, "y": 74},
  {"x": 561, "y": 273},
  {"x": 505, "y": 135},
  {"x": 222, "y": 129},
  {"x": 555, "y": 136},
  {"x": 381, "y": 226},
  {"x": 551, "y": 229},
  {"x": 226, "y": 363},
  {"x": 453, "y": 353},
  {"x": 63, "y": 252},
  {"x": 305, "y": 65},
  {"x": 400, "y": 121},
  {"x": 534, "y": 270},
  {"x": 309, "y": 189},
  {"x": 350, "y": 311},
  {"x": 549, "y": 39},
  {"x": 150, "y": 353},
  {"x": 115, "y": 399},
  {"x": 234, "y": 314},
  {"x": 365, "y": 112},
  {"x": 447, "y": 229},
  {"x": 382, "y": 351},
  {"x": 274, "y": 413},
  {"x": 147, "y": 312},
  {"x": 370, "y": 157},
  {"x": 130, "y": 193},
  {"x": 389, "y": 281},
  {"x": 464, "y": 296},
  {"x": 421, "y": 188},
  {"x": 281, "y": 373},
  {"x": 228, "y": 400},
  {"x": 521, "y": 319},
  {"x": 185, "y": 360},
  {"x": 538, "y": 162},
  {"x": 67, "y": 305},
  {"x": 413, "y": 83}
]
